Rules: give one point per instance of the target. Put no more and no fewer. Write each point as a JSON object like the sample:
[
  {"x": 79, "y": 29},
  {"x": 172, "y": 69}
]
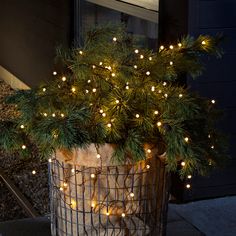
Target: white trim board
[
  {"x": 134, "y": 10},
  {"x": 12, "y": 80}
]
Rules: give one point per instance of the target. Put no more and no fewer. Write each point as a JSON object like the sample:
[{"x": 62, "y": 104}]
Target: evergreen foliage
[{"x": 114, "y": 92}]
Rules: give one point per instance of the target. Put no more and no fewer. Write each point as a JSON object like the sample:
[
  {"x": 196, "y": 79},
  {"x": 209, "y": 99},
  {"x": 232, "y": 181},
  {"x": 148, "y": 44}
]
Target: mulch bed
[{"x": 19, "y": 170}]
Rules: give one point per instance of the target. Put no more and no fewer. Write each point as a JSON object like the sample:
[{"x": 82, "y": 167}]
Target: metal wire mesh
[{"x": 108, "y": 200}]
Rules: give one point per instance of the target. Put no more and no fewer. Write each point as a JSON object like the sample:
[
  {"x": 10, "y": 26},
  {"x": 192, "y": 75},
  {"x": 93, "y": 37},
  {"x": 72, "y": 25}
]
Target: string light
[
  {"x": 65, "y": 184},
  {"x": 209, "y": 136},
  {"x": 180, "y": 45},
  {"x": 94, "y": 90},
  {"x": 109, "y": 125},
  {"x": 159, "y": 123},
  {"x": 212, "y": 147},
  {"x": 98, "y": 155},
  {"x": 148, "y": 166},
  {"x": 81, "y": 52},
  {"x": 93, "y": 66},
  {"x": 54, "y": 73},
  {"x": 141, "y": 56},
  {"x": 171, "y": 47},
  {"x": 61, "y": 189},
  {"x": 188, "y": 186},
  {"x": 73, "y": 89},
  {"x": 86, "y": 91},
  {"x": 100, "y": 63},
  {"x": 123, "y": 215},
  {"x": 153, "y": 88},
  {"x": 73, "y": 204},
  {"x": 104, "y": 114},
  {"x": 156, "y": 112},
  {"x": 33, "y": 172},
  {"x": 101, "y": 111},
  {"x": 159, "y": 91},
  {"x": 22, "y": 126},
  {"x": 135, "y": 66},
  {"x": 63, "y": 78},
  {"x": 113, "y": 74},
  {"x": 136, "y": 51},
  {"x": 53, "y": 114},
  {"x": 89, "y": 81},
  {"x": 44, "y": 89},
  {"x": 150, "y": 58},
  {"x": 137, "y": 115},
  {"x": 166, "y": 95},
  {"x": 149, "y": 150},
  {"x": 171, "y": 63},
  {"x": 183, "y": 163},
  {"x": 186, "y": 139},
  {"x": 117, "y": 101},
  {"x": 93, "y": 205},
  {"x": 131, "y": 194},
  {"x": 148, "y": 73},
  {"x": 45, "y": 114},
  {"x": 203, "y": 42},
  {"x": 107, "y": 213},
  {"x": 23, "y": 147},
  {"x": 189, "y": 176},
  {"x": 213, "y": 101},
  {"x": 180, "y": 95},
  {"x": 164, "y": 83},
  {"x": 162, "y": 47},
  {"x": 49, "y": 160},
  {"x": 62, "y": 115},
  {"x": 92, "y": 176},
  {"x": 109, "y": 67},
  {"x": 72, "y": 170},
  {"x": 127, "y": 87},
  {"x": 114, "y": 39}
]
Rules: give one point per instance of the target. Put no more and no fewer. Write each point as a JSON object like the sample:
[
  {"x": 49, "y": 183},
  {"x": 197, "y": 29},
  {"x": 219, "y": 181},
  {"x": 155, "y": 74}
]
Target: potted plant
[{"x": 114, "y": 123}]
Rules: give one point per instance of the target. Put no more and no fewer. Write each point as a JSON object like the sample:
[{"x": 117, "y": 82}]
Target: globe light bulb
[
  {"x": 188, "y": 186},
  {"x": 180, "y": 95},
  {"x": 23, "y": 147},
  {"x": 164, "y": 83},
  {"x": 148, "y": 166},
  {"x": 92, "y": 176},
  {"x": 54, "y": 73},
  {"x": 186, "y": 139},
  {"x": 72, "y": 170},
  {"x": 159, "y": 124},
  {"x": 149, "y": 150},
  {"x": 65, "y": 184},
  {"x": 49, "y": 160},
  {"x": 114, "y": 39},
  {"x": 33, "y": 172},
  {"x": 61, "y": 189},
  {"x": 180, "y": 45},
  {"x": 171, "y": 63},
  {"x": 53, "y": 114},
  {"x": 109, "y": 125},
  {"x": 113, "y": 74},
  {"x": 93, "y": 66},
  {"x": 213, "y": 101},
  {"x": 148, "y": 73},
  {"x": 104, "y": 114},
  {"x": 117, "y": 101},
  {"x": 171, "y": 47},
  {"x": 63, "y": 78},
  {"x": 166, "y": 95},
  {"x": 89, "y": 81},
  {"x": 136, "y": 51},
  {"x": 150, "y": 58},
  {"x": 135, "y": 66},
  {"x": 73, "y": 89},
  {"x": 93, "y": 205},
  {"x": 189, "y": 176},
  {"x": 98, "y": 156},
  {"x": 44, "y": 89},
  {"x": 45, "y": 114},
  {"x": 127, "y": 87},
  {"x": 131, "y": 194},
  {"x": 94, "y": 90},
  {"x": 137, "y": 115},
  {"x": 183, "y": 163},
  {"x": 212, "y": 147},
  {"x": 141, "y": 56},
  {"x": 162, "y": 47},
  {"x": 62, "y": 115},
  {"x": 100, "y": 63},
  {"x": 81, "y": 52},
  {"x": 203, "y": 42},
  {"x": 153, "y": 88},
  {"x": 156, "y": 112},
  {"x": 107, "y": 213},
  {"x": 123, "y": 215},
  {"x": 101, "y": 111},
  {"x": 22, "y": 126}
]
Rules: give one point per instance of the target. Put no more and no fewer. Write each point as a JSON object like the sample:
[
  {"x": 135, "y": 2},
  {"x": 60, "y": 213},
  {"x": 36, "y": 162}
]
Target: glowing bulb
[
  {"x": 141, "y": 56},
  {"x": 149, "y": 150},
  {"x": 80, "y": 52},
  {"x": 189, "y": 176},
  {"x": 98, "y": 156},
  {"x": 127, "y": 87},
  {"x": 150, "y": 58},
  {"x": 186, "y": 139},
  {"x": 114, "y": 39},
  {"x": 188, "y": 186},
  {"x": 212, "y": 147},
  {"x": 109, "y": 125},
  {"x": 156, "y": 112},
  {"x": 23, "y": 147},
  {"x": 213, "y": 101},
  {"x": 72, "y": 170},
  {"x": 135, "y": 66},
  {"x": 63, "y": 78},
  {"x": 159, "y": 91},
  {"x": 54, "y": 73},
  {"x": 159, "y": 123},
  {"x": 93, "y": 66},
  {"x": 93, "y": 205},
  {"x": 22, "y": 126},
  {"x": 180, "y": 45},
  {"x": 89, "y": 81},
  {"x": 136, "y": 51},
  {"x": 209, "y": 136},
  {"x": 61, "y": 189},
  {"x": 53, "y": 114},
  {"x": 171, "y": 63},
  {"x": 183, "y": 163},
  {"x": 100, "y": 63},
  {"x": 107, "y": 213},
  {"x": 44, "y": 89},
  {"x": 101, "y": 111},
  {"x": 166, "y": 95},
  {"x": 153, "y": 88},
  {"x": 148, "y": 166},
  {"x": 117, "y": 101},
  {"x": 148, "y": 73},
  {"x": 92, "y": 176},
  {"x": 203, "y": 42},
  {"x": 180, "y": 95},
  {"x": 137, "y": 115},
  {"x": 109, "y": 67},
  {"x": 104, "y": 114},
  {"x": 73, "y": 89},
  {"x": 62, "y": 115},
  {"x": 94, "y": 90},
  {"x": 164, "y": 83},
  {"x": 45, "y": 114},
  {"x": 123, "y": 215},
  {"x": 65, "y": 184},
  {"x": 171, "y": 47},
  {"x": 131, "y": 194},
  {"x": 73, "y": 203},
  {"x": 162, "y": 47},
  {"x": 86, "y": 91},
  {"x": 50, "y": 160},
  {"x": 33, "y": 172},
  {"x": 113, "y": 74}
]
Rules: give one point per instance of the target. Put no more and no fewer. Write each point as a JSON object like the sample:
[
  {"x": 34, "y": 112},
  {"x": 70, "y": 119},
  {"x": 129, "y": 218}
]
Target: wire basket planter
[{"x": 108, "y": 200}]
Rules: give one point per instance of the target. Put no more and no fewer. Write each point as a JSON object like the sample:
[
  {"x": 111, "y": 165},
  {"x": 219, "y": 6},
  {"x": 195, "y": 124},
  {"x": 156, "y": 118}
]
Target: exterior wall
[
  {"x": 218, "y": 82},
  {"x": 30, "y": 31}
]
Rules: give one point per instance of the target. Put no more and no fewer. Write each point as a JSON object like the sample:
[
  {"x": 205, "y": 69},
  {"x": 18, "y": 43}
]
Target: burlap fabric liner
[{"x": 112, "y": 186}]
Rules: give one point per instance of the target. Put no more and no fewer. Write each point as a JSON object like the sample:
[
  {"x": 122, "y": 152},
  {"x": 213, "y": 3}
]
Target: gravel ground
[{"x": 19, "y": 170}]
